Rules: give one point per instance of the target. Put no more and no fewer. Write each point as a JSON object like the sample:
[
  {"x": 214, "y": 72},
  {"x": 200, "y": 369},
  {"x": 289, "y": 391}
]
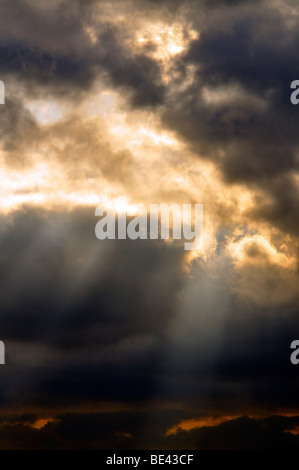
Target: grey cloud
[
  {"x": 250, "y": 131},
  {"x": 117, "y": 322},
  {"x": 60, "y": 284},
  {"x": 58, "y": 56}
]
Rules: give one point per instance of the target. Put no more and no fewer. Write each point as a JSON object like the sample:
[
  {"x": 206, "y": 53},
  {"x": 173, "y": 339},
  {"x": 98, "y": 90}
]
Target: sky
[{"x": 139, "y": 344}]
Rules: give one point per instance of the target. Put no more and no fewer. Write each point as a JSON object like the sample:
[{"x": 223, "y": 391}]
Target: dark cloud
[
  {"x": 49, "y": 50},
  {"x": 280, "y": 206},
  {"x": 72, "y": 74},
  {"x": 32, "y": 64},
  {"x": 242, "y": 434},
  {"x": 91, "y": 315},
  {"x": 137, "y": 71},
  {"x": 19, "y": 131},
  {"x": 60, "y": 284},
  {"x": 258, "y": 142},
  {"x": 142, "y": 430},
  {"x": 237, "y": 110},
  {"x": 87, "y": 320},
  {"x": 109, "y": 430},
  {"x": 229, "y": 3}
]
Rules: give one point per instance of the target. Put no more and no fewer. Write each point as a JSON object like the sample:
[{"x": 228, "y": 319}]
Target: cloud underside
[
  {"x": 120, "y": 321},
  {"x": 134, "y": 431}
]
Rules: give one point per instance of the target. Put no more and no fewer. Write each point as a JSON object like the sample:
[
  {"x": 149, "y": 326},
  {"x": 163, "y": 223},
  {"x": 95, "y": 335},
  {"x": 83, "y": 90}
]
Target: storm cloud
[{"x": 122, "y": 344}]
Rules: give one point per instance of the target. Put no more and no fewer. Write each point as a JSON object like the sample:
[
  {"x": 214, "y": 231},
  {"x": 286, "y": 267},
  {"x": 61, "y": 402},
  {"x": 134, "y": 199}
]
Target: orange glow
[
  {"x": 294, "y": 430},
  {"x": 124, "y": 434},
  {"x": 189, "y": 424},
  {"x": 41, "y": 423}
]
